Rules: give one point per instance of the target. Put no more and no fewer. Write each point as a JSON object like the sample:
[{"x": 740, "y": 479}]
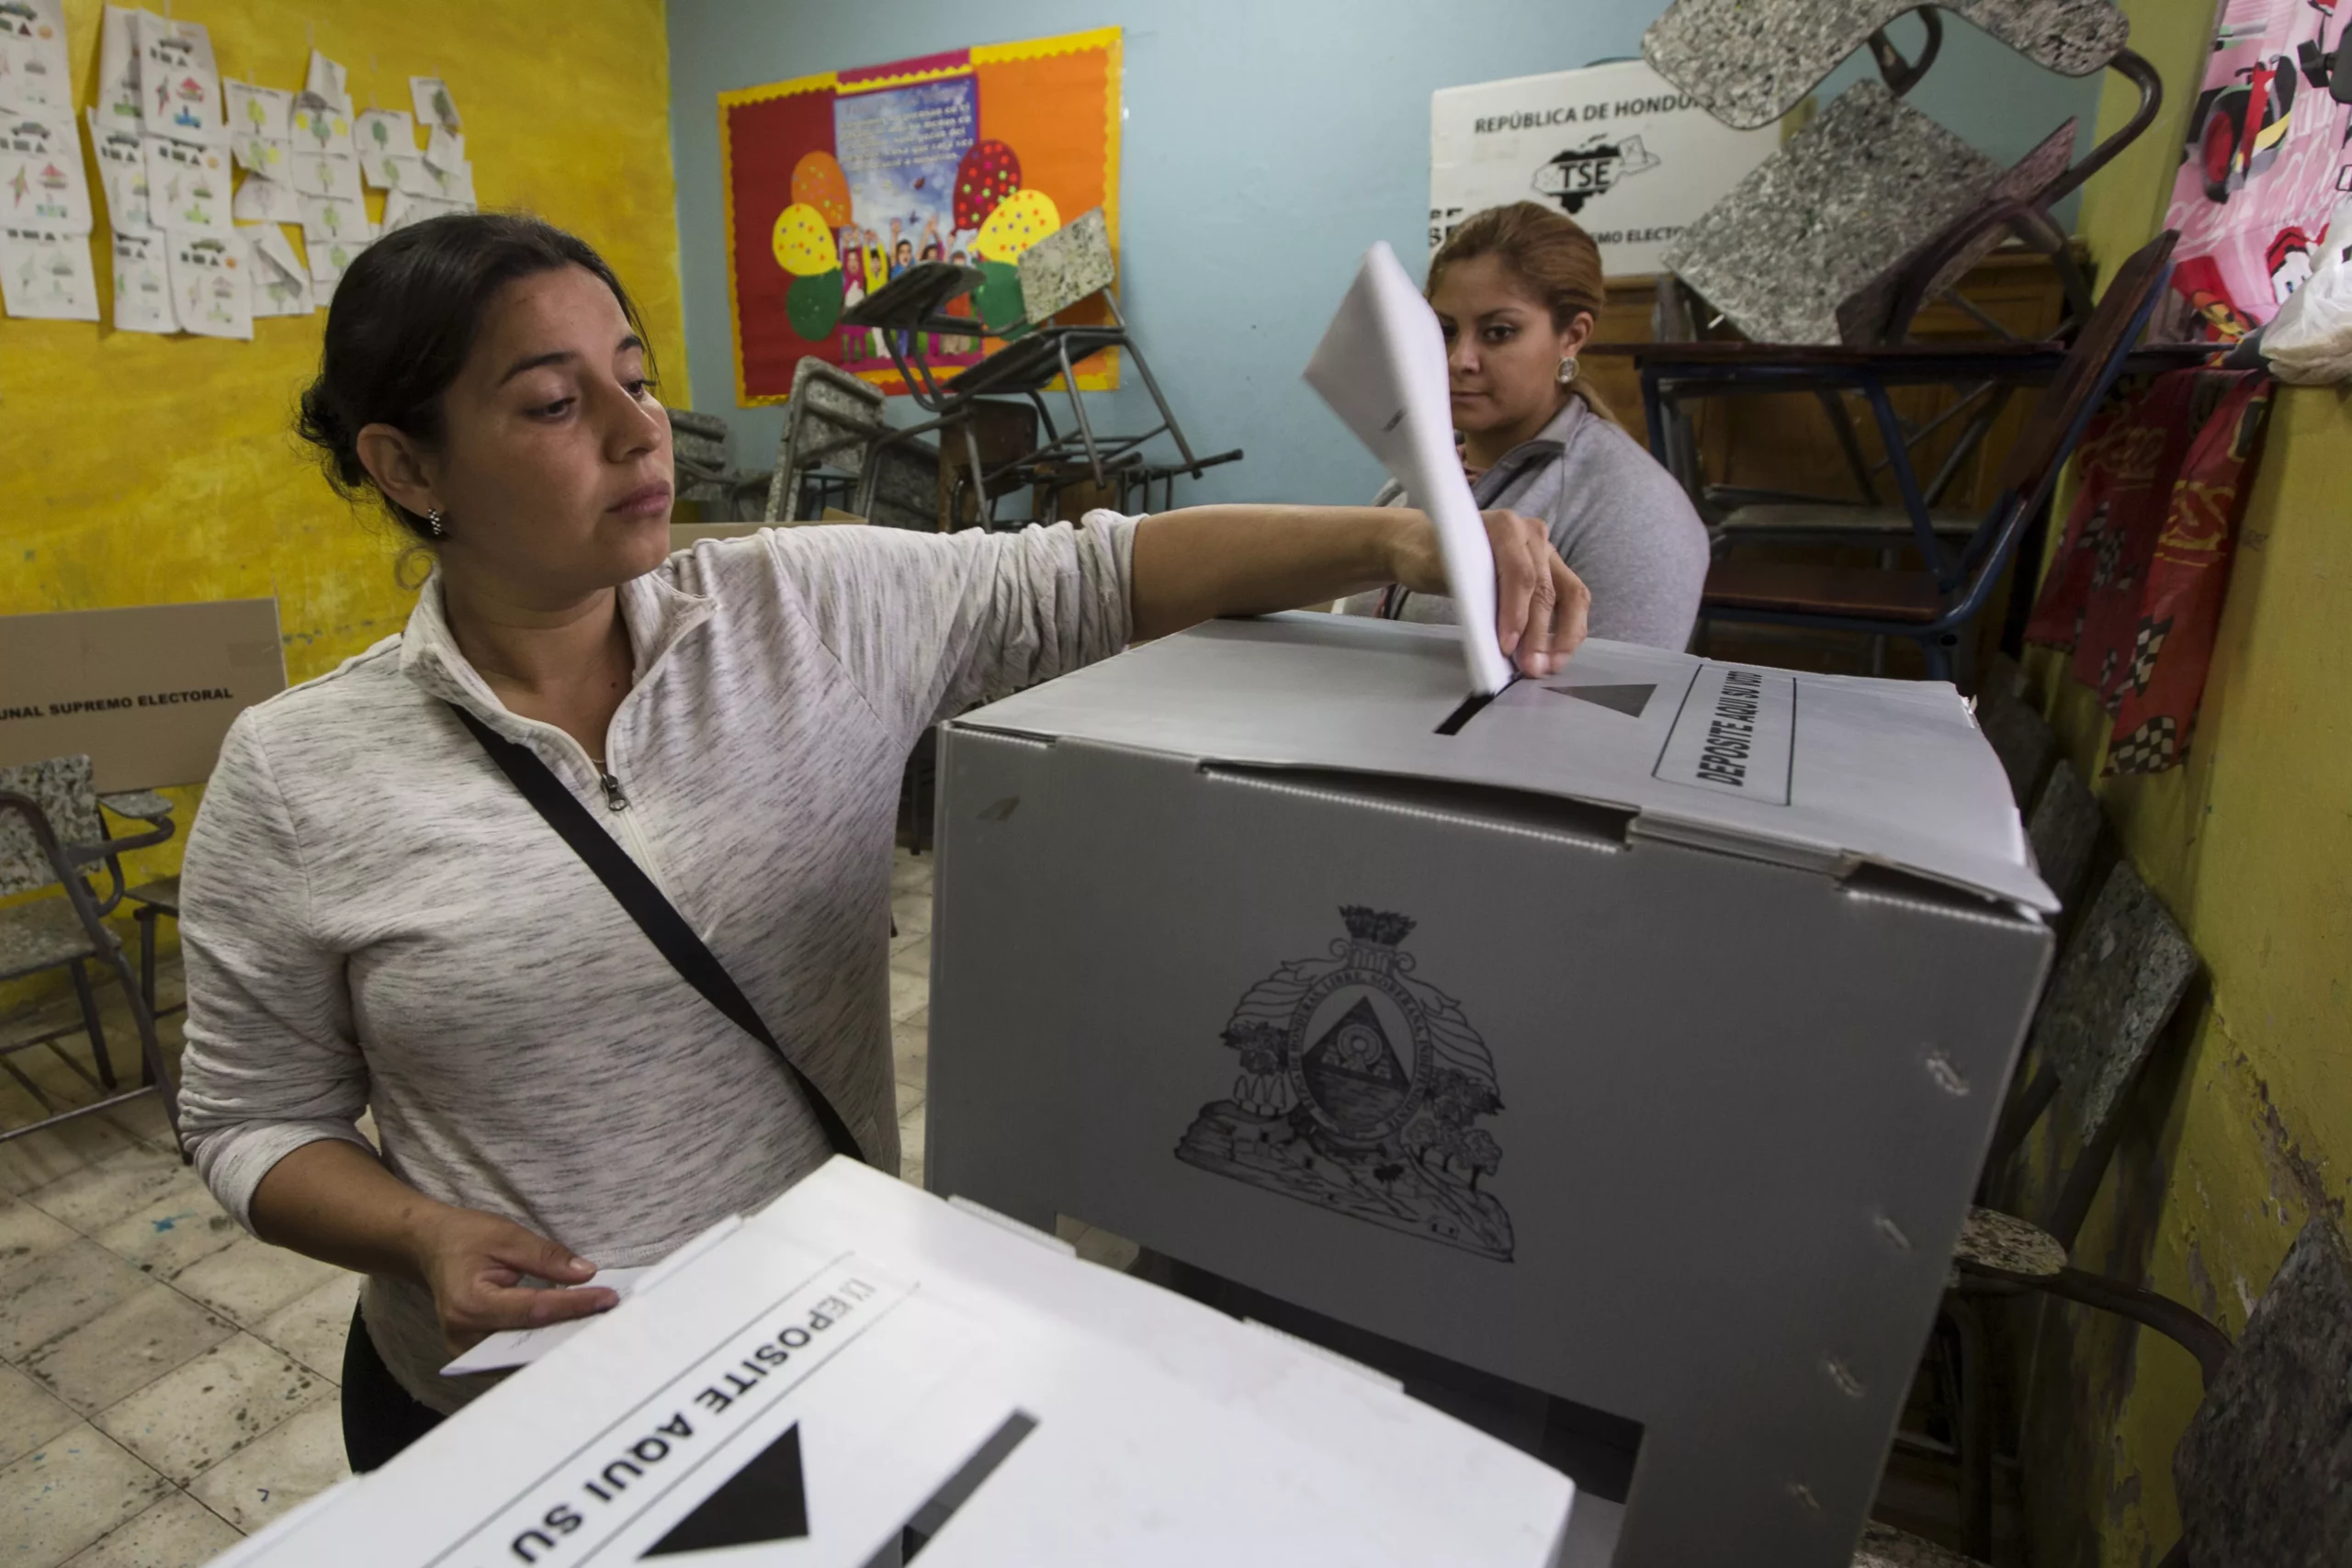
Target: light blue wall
[{"x": 1268, "y": 142}]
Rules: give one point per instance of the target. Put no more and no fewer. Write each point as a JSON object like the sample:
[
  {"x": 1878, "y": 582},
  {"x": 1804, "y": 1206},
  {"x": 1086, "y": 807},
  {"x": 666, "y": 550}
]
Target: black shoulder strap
[{"x": 653, "y": 913}]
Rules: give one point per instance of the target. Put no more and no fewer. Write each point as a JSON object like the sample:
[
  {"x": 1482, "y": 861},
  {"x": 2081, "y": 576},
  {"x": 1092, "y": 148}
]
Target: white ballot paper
[
  {"x": 33, "y": 72},
  {"x": 1381, "y": 365},
  {"x": 860, "y": 1371},
  {"x": 521, "y": 1347}
]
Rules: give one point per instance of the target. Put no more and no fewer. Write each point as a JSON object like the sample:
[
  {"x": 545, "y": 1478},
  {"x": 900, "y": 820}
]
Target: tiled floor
[{"x": 167, "y": 1383}]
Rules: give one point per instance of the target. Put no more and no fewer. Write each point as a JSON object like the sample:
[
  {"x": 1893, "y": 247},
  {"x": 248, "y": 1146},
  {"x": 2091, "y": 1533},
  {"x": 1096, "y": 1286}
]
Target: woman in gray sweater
[
  {"x": 376, "y": 919},
  {"x": 1516, "y": 289}
]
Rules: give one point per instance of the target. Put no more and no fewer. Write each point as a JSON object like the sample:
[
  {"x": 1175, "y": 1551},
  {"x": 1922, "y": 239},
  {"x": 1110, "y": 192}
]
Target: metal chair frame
[
  {"x": 1964, "y": 580},
  {"x": 66, "y": 865},
  {"x": 1036, "y": 353}
]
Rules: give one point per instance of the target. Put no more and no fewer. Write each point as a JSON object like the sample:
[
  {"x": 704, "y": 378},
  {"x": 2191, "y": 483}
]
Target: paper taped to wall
[{"x": 1381, "y": 365}]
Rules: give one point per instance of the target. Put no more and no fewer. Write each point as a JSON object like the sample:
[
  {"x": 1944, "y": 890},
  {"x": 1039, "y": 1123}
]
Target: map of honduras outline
[{"x": 1359, "y": 1091}]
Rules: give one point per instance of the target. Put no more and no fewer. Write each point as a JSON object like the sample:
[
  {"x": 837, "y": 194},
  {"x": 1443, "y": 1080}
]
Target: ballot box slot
[{"x": 1585, "y": 825}]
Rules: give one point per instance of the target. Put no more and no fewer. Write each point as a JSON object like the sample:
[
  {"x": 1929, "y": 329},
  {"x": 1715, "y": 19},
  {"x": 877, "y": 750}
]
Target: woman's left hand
[{"x": 1540, "y": 604}]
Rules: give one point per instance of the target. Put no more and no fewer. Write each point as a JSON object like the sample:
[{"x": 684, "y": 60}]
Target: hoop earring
[
  {"x": 1567, "y": 374},
  {"x": 434, "y": 527}
]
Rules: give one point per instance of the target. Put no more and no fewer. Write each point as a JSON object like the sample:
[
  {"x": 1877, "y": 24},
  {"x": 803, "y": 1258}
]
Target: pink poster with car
[{"x": 2267, "y": 158}]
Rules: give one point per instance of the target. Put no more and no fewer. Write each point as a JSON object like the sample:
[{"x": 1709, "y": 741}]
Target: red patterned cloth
[
  {"x": 2136, "y": 587},
  {"x": 2155, "y": 693}
]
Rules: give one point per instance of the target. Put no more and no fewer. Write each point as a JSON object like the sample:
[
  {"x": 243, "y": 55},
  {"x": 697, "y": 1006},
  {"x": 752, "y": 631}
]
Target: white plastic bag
[{"x": 2308, "y": 342}]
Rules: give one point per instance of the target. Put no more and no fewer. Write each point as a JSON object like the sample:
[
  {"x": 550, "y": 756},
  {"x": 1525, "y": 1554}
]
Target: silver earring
[
  {"x": 1568, "y": 372},
  {"x": 432, "y": 524}
]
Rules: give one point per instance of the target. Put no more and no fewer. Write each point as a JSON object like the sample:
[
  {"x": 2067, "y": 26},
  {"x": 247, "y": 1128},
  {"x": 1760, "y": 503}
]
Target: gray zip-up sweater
[
  {"x": 374, "y": 917},
  {"x": 1617, "y": 518}
]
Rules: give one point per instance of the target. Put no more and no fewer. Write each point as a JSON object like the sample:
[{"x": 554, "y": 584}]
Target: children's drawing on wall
[
  {"x": 211, "y": 291},
  {"x": 33, "y": 72},
  {"x": 179, "y": 85},
  {"x": 839, "y": 184},
  {"x": 142, "y": 285},
  {"x": 47, "y": 274},
  {"x": 899, "y": 149},
  {"x": 434, "y": 106},
  {"x": 188, "y": 190},
  {"x": 122, "y": 171},
  {"x": 40, "y": 175},
  {"x": 170, "y": 134},
  {"x": 2269, "y": 152}
]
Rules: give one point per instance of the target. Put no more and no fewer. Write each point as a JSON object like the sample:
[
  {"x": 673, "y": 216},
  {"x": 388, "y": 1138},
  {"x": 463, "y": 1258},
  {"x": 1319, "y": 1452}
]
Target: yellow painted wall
[
  {"x": 2248, "y": 1130},
  {"x": 136, "y": 469}
]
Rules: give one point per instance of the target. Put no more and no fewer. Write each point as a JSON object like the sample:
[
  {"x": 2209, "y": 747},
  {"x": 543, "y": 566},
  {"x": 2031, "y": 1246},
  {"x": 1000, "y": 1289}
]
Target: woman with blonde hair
[{"x": 1517, "y": 289}]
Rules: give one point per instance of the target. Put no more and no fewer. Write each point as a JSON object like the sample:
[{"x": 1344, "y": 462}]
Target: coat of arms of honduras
[{"x": 1360, "y": 1089}]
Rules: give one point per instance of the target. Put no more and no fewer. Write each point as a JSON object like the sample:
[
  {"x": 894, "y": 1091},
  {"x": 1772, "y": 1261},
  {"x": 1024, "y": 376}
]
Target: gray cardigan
[
  {"x": 1619, "y": 519},
  {"x": 374, "y": 917}
]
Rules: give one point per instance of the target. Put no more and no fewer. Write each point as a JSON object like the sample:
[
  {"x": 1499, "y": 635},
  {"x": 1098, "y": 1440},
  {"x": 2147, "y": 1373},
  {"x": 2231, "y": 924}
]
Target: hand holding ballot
[
  {"x": 1540, "y": 606},
  {"x": 475, "y": 1264}
]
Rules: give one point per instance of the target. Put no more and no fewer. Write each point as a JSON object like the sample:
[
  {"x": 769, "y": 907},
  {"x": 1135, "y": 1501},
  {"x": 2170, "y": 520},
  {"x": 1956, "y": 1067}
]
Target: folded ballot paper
[
  {"x": 1381, "y": 365},
  {"x": 862, "y": 1372}
]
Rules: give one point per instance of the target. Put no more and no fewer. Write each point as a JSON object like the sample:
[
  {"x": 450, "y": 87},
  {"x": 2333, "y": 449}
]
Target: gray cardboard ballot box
[{"x": 1636, "y": 1036}]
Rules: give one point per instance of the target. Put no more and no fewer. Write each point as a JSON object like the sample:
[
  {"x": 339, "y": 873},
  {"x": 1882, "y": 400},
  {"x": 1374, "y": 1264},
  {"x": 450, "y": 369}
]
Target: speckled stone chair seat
[
  {"x": 42, "y": 936},
  {"x": 1748, "y": 62},
  {"x": 1866, "y": 183},
  {"x": 2117, "y": 984},
  {"x": 2063, "y": 829},
  {"x": 2264, "y": 1472},
  {"x": 1883, "y": 1546}
]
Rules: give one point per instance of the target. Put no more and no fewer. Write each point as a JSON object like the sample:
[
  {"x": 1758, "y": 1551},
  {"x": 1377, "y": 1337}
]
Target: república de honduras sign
[{"x": 1615, "y": 147}]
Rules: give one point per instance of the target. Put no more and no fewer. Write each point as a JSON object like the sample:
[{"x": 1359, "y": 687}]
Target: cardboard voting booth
[
  {"x": 1635, "y": 1035},
  {"x": 146, "y": 693},
  {"x": 862, "y": 1374}
]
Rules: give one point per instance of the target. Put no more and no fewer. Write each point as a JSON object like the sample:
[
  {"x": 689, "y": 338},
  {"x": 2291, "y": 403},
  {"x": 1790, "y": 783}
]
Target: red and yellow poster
[{"x": 835, "y": 184}]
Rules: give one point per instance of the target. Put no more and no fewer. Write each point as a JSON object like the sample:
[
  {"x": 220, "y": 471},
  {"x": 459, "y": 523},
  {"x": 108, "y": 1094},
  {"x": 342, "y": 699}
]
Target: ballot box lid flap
[
  {"x": 1829, "y": 772},
  {"x": 860, "y": 1360}
]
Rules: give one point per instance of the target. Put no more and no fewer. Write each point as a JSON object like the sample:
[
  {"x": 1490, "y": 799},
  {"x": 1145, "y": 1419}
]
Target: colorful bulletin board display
[
  {"x": 1617, "y": 148},
  {"x": 835, "y": 183},
  {"x": 2268, "y": 154}
]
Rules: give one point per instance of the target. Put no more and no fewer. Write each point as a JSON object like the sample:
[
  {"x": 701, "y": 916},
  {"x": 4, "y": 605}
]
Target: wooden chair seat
[{"x": 1804, "y": 588}]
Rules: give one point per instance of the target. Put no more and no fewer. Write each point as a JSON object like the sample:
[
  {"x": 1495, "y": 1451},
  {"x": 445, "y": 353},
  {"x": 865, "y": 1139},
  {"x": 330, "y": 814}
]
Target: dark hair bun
[{"x": 404, "y": 319}]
